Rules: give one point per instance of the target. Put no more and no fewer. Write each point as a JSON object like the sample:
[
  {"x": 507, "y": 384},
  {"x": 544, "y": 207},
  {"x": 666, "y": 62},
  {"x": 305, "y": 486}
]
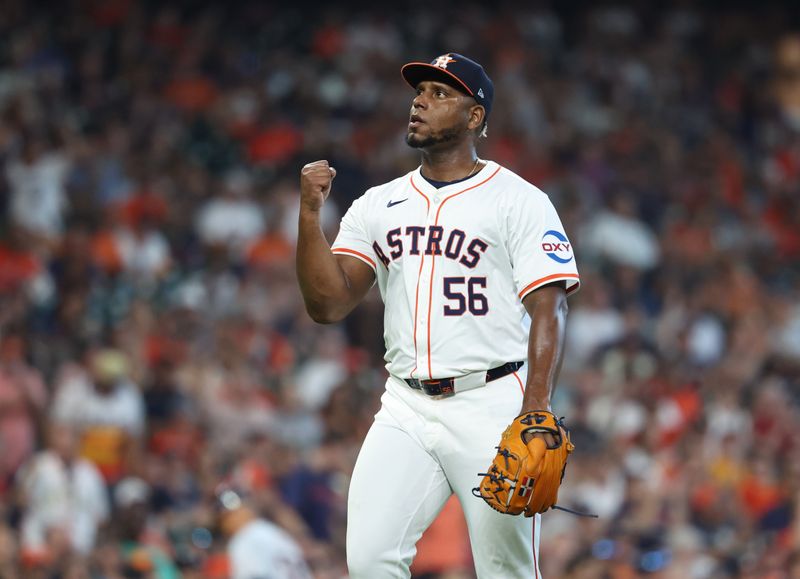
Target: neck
[
  {"x": 235, "y": 520},
  {"x": 450, "y": 164}
]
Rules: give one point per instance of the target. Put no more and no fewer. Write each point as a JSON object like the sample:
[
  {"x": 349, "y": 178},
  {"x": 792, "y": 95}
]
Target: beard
[{"x": 448, "y": 135}]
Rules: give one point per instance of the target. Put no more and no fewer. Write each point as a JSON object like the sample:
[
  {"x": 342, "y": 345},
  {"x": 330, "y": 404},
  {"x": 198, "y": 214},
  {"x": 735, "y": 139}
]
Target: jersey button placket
[
  {"x": 426, "y": 281},
  {"x": 425, "y": 294}
]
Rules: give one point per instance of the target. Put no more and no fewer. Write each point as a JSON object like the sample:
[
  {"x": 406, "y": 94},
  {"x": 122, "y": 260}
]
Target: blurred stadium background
[{"x": 151, "y": 330}]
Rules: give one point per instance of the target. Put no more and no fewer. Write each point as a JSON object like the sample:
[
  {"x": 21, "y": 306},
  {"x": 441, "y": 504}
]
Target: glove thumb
[{"x": 536, "y": 447}]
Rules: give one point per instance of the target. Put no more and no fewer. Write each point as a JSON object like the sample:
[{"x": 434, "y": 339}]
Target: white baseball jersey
[{"x": 453, "y": 265}]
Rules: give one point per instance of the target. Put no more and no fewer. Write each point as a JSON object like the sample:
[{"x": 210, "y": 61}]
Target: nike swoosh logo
[{"x": 393, "y": 203}]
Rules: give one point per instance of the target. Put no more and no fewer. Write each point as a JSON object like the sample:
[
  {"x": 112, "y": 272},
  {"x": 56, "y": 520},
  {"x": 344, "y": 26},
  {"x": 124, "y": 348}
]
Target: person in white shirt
[
  {"x": 257, "y": 548},
  {"x": 61, "y": 493},
  {"x": 38, "y": 188},
  {"x": 233, "y": 219},
  {"x": 107, "y": 408}
]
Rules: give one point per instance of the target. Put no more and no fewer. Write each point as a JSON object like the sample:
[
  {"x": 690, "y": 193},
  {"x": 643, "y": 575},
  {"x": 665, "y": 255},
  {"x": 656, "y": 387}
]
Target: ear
[{"x": 476, "y": 115}]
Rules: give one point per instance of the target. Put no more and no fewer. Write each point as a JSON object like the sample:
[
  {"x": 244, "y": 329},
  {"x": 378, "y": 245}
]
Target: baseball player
[{"x": 461, "y": 249}]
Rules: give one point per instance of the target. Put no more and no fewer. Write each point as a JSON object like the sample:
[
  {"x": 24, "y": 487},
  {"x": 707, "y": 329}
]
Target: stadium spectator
[
  {"x": 144, "y": 549},
  {"x": 63, "y": 500},
  {"x": 23, "y": 398},
  {"x": 257, "y": 547},
  {"x": 106, "y": 408}
]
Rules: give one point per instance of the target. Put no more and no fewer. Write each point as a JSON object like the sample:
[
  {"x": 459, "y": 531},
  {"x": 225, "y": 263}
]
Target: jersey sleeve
[
  {"x": 540, "y": 250},
  {"x": 353, "y": 238}
]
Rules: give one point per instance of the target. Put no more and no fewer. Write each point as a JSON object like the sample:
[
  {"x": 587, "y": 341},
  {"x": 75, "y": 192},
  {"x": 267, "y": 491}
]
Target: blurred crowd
[{"x": 154, "y": 345}]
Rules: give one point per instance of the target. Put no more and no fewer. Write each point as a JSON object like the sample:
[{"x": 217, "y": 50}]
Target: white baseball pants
[{"x": 417, "y": 453}]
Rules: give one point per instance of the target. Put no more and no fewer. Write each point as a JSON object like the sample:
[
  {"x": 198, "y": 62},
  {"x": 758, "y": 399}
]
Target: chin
[
  {"x": 444, "y": 138},
  {"x": 416, "y": 141}
]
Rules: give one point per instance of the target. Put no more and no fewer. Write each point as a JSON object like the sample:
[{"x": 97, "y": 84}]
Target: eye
[{"x": 440, "y": 93}]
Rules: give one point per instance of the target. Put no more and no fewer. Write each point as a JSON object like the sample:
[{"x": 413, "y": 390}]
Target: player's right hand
[{"x": 315, "y": 184}]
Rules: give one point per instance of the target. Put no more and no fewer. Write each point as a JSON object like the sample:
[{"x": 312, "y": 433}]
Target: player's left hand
[{"x": 529, "y": 465}]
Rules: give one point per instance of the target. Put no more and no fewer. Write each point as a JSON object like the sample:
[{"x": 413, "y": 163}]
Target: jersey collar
[{"x": 422, "y": 184}]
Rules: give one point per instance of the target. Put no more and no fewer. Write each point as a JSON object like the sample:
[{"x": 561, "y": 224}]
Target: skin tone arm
[
  {"x": 332, "y": 285},
  {"x": 547, "y": 307}
]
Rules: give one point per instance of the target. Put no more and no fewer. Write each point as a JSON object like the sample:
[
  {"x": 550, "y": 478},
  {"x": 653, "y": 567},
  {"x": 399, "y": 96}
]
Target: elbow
[
  {"x": 324, "y": 318},
  {"x": 323, "y": 315}
]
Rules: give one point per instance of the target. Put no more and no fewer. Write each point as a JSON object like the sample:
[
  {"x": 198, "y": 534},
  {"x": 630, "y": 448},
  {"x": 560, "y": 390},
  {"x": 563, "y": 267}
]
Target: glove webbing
[{"x": 499, "y": 478}]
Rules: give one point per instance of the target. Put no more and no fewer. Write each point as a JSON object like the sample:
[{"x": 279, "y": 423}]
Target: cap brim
[{"x": 416, "y": 72}]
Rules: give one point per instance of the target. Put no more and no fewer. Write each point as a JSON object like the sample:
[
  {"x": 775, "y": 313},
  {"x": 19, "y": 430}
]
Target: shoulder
[
  {"x": 43, "y": 463},
  {"x": 515, "y": 188},
  {"x": 87, "y": 470},
  {"x": 260, "y": 533},
  {"x": 380, "y": 193},
  {"x": 128, "y": 396},
  {"x": 45, "y": 460},
  {"x": 72, "y": 380}
]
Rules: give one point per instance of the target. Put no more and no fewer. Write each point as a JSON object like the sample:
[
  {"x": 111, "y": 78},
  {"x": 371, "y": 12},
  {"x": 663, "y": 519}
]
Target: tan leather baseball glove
[{"x": 525, "y": 478}]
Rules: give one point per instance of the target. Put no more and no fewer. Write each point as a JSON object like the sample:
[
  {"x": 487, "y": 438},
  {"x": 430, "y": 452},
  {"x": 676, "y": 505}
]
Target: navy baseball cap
[{"x": 457, "y": 71}]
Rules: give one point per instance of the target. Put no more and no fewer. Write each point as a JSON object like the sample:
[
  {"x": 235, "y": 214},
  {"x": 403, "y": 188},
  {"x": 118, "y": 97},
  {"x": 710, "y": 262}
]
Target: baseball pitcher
[{"x": 464, "y": 251}]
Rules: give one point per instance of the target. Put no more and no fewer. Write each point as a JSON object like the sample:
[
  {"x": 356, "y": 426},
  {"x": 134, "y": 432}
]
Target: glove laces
[{"x": 577, "y": 513}]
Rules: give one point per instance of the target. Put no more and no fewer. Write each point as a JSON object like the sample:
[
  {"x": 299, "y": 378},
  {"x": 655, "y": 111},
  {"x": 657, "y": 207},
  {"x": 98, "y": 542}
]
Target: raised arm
[{"x": 332, "y": 285}]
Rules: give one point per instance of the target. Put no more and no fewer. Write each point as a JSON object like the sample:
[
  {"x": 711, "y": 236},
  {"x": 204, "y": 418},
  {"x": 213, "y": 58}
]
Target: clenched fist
[{"x": 315, "y": 184}]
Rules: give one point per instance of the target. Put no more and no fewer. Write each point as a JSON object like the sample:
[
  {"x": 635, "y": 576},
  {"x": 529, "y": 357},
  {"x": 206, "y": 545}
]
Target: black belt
[{"x": 449, "y": 386}]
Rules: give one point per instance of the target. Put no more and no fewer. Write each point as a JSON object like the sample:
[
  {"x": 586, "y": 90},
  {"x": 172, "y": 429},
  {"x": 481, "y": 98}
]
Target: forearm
[
  {"x": 545, "y": 351},
  {"x": 323, "y": 283}
]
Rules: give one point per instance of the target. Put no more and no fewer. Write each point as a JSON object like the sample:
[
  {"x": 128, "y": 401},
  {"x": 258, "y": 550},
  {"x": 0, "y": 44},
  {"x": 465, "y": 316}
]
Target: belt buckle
[{"x": 438, "y": 389}]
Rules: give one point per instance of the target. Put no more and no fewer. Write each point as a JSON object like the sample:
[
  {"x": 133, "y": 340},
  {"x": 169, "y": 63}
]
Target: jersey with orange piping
[{"x": 453, "y": 265}]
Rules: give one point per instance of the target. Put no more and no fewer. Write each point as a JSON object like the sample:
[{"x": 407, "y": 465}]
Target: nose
[{"x": 419, "y": 102}]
